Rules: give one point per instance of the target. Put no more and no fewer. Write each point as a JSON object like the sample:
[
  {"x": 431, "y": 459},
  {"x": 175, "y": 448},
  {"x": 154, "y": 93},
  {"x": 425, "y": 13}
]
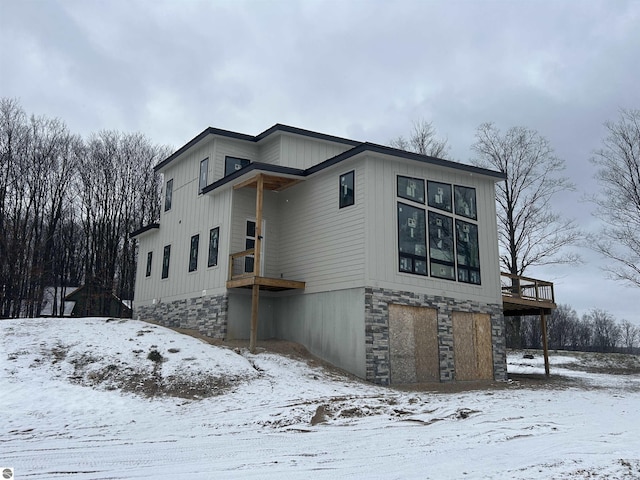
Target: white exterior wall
[
  {"x": 382, "y": 231},
  {"x": 302, "y": 152},
  {"x": 228, "y": 147},
  {"x": 269, "y": 151},
  {"x": 320, "y": 243}
]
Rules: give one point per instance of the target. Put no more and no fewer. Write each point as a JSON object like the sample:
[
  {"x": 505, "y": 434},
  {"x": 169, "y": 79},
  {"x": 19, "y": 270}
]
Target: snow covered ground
[{"x": 80, "y": 398}]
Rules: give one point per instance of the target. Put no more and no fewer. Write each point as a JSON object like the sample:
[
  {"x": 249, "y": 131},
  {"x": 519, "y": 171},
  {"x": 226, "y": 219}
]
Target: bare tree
[
  {"x": 618, "y": 204},
  {"x": 530, "y": 231},
  {"x": 629, "y": 335},
  {"x": 559, "y": 326},
  {"x": 606, "y": 334},
  {"x": 423, "y": 140}
]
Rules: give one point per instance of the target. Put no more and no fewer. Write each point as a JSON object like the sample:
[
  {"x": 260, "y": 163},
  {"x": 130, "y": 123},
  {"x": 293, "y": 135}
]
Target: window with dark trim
[
  {"x": 193, "y": 253},
  {"x": 168, "y": 194},
  {"x": 411, "y": 188},
  {"x": 465, "y": 201},
  {"x": 149, "y": 258},
  {"x": 214, "y": 237},
  {"x": 412, "y": 247},
  {"x": 347, "y": 189},
  {"x": 468, "y": 252},
  {"x": 441, "y": 246},
  {"x": 439, "y": 196},
  {"x": 204, "y": 174},
  {"x": 232, "y": 164},
  {"x": 165, "y": 261}
]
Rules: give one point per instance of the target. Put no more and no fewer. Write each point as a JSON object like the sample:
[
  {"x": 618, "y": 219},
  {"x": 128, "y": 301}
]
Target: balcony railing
[
  {"x": 525, "y": 288},
  {"x": 232, "y": 264}
]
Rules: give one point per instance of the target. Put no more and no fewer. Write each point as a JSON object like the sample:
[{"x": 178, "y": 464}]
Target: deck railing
[
  {"x": 526, "y": 288},
  {"x": 239, "y": 255}
]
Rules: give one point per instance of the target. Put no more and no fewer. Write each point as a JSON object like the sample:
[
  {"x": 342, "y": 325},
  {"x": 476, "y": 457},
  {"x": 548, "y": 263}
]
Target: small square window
[
  {"x": 347, "y": 189},
  {"x": 232, "y": 164},
  {"x": 411, "y": 189},
  {"x": 465, "y": 201},
  {"x": 439, "y": 195}
]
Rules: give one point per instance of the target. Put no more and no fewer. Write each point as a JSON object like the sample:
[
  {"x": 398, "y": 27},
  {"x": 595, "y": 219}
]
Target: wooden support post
[
  {"x": 545, "y": 346},
  {"x": 255, "y": 294},
  {"x": 255, "y": 297}
]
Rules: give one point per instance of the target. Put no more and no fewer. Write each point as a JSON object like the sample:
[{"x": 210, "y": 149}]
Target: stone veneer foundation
[
  {"x": 207, "y": 315},
  {"x": 376, "y": 307}
]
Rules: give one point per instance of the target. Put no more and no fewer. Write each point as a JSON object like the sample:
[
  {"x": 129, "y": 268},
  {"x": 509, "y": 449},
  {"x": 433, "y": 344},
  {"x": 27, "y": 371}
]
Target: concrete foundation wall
[
  {"x": 239, "y": 319},
  {"x": 329, "y": 324}
]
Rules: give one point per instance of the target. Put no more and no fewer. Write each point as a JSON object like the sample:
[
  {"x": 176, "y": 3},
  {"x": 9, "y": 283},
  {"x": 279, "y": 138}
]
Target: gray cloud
[{"x": 359, "y": 69}]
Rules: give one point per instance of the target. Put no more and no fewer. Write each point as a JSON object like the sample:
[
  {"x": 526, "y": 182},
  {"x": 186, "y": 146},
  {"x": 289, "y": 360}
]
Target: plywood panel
[
  {"x": 472, "y": 346},
  {"x": 426, "y": 344},
  {"x": 402, "y": 344},
  {"x": 413, "y": 344},
  {"x": 484, "y": 351},
  {"x": 463, "y": 346}
]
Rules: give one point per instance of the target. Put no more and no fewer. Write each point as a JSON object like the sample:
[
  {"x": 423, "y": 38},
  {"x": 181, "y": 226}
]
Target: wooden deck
[
  {"x": 264, "y": 283},
  {"x": 526, "y": 296}
]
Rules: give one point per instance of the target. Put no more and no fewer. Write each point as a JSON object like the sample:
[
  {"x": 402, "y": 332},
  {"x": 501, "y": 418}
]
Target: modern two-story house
[{"x": 380, "y": 261}]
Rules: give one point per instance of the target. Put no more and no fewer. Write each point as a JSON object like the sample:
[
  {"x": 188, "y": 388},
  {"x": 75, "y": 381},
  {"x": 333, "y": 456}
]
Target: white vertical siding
[
  {"x": 269, "y": 151},
  {"x": 382, "y": 231},
  {"x": 228, "y": 147},
  {"x": 301, "y": 152},
  {"x": 320, "y": 243}
]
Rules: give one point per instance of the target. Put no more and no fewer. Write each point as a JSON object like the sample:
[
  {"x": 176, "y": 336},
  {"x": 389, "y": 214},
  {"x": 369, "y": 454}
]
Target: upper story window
[
  {"x": 168, "y": 194},
  {"x": 411, "y": 188},
  {"x": 454, "y": 251},
  {"x": 214, "y": 237},
  {"x": 439, "y": 195},
  {"x": 232, "y": 164},
  {"x": 149, "y": 258},
  {"x": 204, "y": 174},
  {"x": 165, "y": 261},
  {"x": 465, "y": 202},
  {"x": 347, "y": 189},
  {"x": 193, "y": 253}
]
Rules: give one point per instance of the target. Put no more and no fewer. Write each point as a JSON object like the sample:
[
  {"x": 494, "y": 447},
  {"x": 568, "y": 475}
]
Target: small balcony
[
  {"x": 239, "y": 278},
  {"x": 526, "y": 296}
]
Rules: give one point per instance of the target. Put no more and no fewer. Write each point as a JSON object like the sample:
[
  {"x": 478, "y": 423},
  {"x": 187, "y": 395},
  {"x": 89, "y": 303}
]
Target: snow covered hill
[{"x": 120, "y": 399}]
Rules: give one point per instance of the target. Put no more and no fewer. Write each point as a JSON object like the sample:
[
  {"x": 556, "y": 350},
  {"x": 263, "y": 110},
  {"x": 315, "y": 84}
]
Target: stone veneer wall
[
  {"x": 377, "y": 302},
  {"x": 207, "y": 315}
]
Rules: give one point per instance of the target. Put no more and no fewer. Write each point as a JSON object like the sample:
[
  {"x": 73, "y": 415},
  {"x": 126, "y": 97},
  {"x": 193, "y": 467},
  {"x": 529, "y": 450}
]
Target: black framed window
[
  {"x": 347, "y": 189},
  {"x": 165, "y": 261},
  {"x": 193, "y": 253},
  {"x": 465, "y": 201},
  {"x": 231, "y": 164},
  {"x": 204, "y": 175},
  {"x": 441, "y": 246},
  {"x": 149, "y": 258},
  {"x": 168, "y": 194},
  {"x": 412, "y": 247},
  {"x": 411, "y": 188},
  {"x": 214, "y": 238},
  {"x": 439, "y": 196},
  {"x": 468, "y": 252}
]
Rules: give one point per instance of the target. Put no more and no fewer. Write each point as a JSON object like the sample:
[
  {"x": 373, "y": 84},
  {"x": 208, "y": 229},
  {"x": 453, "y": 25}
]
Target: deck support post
[
  {"x": 545, "y": 345},
  {"x": 255, "y": 293}
]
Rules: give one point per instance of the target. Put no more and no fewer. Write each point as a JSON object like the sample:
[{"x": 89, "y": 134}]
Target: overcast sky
[{"x": 358, "y": 69}]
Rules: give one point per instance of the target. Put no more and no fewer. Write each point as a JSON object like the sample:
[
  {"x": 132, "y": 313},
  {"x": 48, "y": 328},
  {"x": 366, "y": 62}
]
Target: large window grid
[{"x": 454, "y": 253}]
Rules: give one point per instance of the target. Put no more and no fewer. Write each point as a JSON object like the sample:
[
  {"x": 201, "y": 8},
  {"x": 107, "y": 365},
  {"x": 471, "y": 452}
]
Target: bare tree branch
[{"x": 423, "y": 140}]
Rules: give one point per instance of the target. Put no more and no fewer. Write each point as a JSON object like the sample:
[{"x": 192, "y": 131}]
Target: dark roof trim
[
  {"x": 278, "y": 127},
  {"x": 394, "y": 152},
  {"x": 144, "y": 229},
  {"x": 263, "y": 167}
]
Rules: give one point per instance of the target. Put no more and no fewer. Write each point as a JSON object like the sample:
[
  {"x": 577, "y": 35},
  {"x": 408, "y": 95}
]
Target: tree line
[
  {"x": 596, "y": 331},
  {"x": 67, "y": 206}
]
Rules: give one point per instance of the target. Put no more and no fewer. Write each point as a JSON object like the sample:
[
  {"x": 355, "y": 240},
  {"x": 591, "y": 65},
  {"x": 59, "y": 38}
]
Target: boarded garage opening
[
  {"x": 473, "y": 355},
  {"x": 413, "y": 344}
]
